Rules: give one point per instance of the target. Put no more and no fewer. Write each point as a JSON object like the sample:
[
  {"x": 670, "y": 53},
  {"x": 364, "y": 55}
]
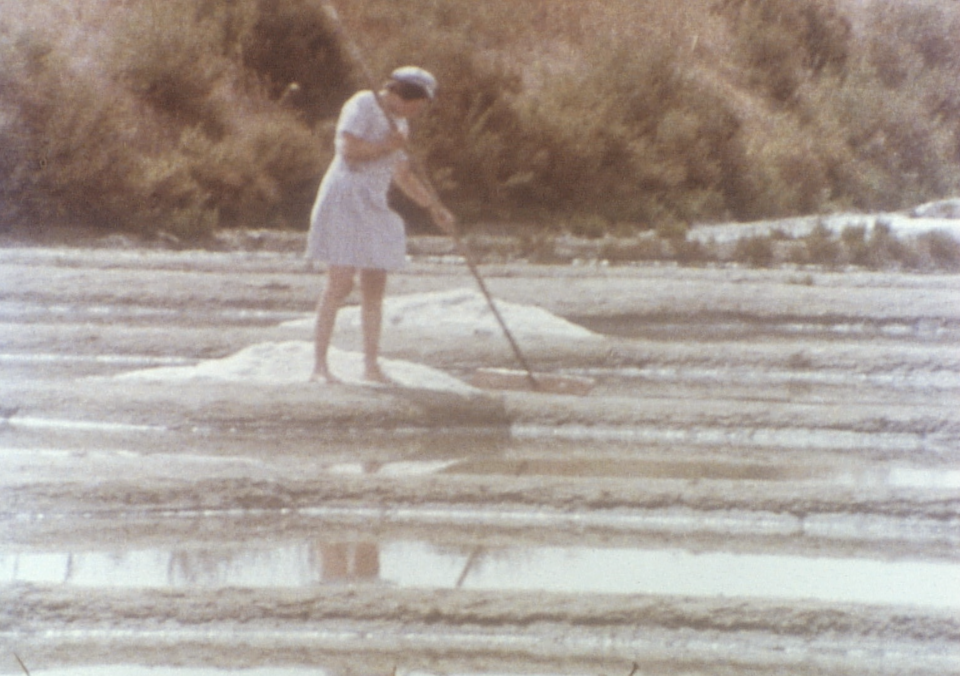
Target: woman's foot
[
  {"x": 373, "y": 374},
  {"x": 324, "y": 377}
]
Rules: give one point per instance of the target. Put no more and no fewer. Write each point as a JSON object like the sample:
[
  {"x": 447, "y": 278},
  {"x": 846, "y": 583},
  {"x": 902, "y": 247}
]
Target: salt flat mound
[
  {"x": 941, "y": 216},
  {"x": 292, "y": 362},
  {"x": 460, "y": 313},
  {"x": 940, "y": 209}
]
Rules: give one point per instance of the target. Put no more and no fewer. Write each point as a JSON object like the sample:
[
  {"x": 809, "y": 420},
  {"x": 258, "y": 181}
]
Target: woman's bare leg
[
  {"x": 373, "y": 284},
  {"x": 339, "y": 285}
]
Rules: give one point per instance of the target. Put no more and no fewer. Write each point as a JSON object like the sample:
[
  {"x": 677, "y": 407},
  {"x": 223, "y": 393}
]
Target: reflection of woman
[
  {"x": 350, "y": 561},
  {"x": 352, "y": 227}
]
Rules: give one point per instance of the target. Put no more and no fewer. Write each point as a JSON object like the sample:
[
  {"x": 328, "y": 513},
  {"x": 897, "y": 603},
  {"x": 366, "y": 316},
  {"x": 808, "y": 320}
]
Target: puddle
[
  {"x": 587, "y": 468},
  {"x": 421, "y": 565},
  {"x": 731, "y": 437},
  {"x": 139, "y": 314},
  {"x": 637, "y": 469},
  {"x": 400, "y": 468},
  {"x": 907, "y": 477},
  {"x": 900, "y": 379},
  {"x": 498, "y": 462},
  {"x": 61, "y": 424},
  {"x": 116, "y": 360},
  {"x": 682, "y": 573},
  {"x": 631, "y": 326},
  {"x": 138, "y": 670},
  {"x": 891, "y": 477},
  {"x": 34, "y": 460}
]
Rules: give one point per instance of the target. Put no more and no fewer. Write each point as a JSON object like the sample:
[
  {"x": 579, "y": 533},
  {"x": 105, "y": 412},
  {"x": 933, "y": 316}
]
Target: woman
[{"x": 351, "y": 226}]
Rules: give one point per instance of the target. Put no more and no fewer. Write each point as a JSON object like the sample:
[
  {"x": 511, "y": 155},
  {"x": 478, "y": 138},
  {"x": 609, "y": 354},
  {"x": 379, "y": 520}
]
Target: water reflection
[
  {"x": 349, "y": 561},
  {"x": 641, "y": 469},
  {"x": 286, "y": 565},
  {"x": 138, "y": 670},
  {"x": 693, "y": 470},
  {"x": 421, "y": 565}
]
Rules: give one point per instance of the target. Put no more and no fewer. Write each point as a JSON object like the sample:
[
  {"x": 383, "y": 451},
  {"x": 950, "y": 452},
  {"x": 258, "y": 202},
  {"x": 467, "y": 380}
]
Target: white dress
[{"x": 351, "y": 223}]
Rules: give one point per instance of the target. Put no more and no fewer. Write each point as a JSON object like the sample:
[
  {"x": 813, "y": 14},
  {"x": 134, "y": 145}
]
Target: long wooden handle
[{"x": 517, "y": 352}]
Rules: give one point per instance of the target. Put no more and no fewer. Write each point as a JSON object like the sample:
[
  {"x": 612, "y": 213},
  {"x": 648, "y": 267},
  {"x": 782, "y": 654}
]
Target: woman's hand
[
  {"x": 397, "y": 140},
  {"x": 443, "y": 218},
  {"x": 419, "y": 191}
]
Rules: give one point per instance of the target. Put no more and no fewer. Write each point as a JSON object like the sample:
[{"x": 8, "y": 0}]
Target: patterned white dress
[{"x": 351, "y": 223}]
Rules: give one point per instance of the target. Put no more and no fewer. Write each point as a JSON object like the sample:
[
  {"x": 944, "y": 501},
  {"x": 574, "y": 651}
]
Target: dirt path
[{"x": 766, "y": 478}]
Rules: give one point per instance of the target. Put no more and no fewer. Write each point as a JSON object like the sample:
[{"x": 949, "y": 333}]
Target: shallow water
[
  {"x": 140, "y": 314},
  {"x": 906, "y": 379},
  {"x": 113, "y": 360},
  {"x": 514, "y": 459},
  {"x": 422, "y": 565},
  {"x": 892, "y": 477},
  {"x": 137, "y": 670},
  {"x": 627, "y": 326},
  {"x": 66, "y": 425}
]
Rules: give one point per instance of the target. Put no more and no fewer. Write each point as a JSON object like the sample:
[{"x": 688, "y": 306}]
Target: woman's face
[{"x": 407, "y": 109}]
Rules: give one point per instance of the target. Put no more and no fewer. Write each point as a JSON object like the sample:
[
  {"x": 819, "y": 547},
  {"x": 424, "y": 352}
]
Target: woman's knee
[
  {"x": 373, "y": 283},
  {"x": 339, "y": 284}
]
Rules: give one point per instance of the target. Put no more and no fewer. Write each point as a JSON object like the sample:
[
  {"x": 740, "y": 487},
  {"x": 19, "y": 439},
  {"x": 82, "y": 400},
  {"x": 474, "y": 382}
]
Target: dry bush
[
  {"x": 822, "y": 247},
  {"x": 170, "y": 55},
  {"x": 886, "y": 251},
  {"x": 61, "y": 129},
  {"x": 890, "y": 126},
  {"x": 756, "y": 251},
  {"x": 291, "y": 42},
  {"x": 881, "y": 249},
  {"x": 160, "y": 128},
  {"x": 783, "y": 43},
  {"x": 622, "y": 114},
  {"x": 941, "y": 249}
]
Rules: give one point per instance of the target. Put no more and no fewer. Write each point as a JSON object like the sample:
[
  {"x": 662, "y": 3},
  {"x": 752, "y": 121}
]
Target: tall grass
[{"x": 189, "y": 115}]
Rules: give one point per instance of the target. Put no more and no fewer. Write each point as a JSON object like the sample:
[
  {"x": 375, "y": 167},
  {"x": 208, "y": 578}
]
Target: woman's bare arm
[
  {"x": 414, "y": 188},
  {"x": 356, "y": 149}
]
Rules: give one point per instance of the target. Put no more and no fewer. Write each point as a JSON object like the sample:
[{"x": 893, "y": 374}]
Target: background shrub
[
  {"x": 155, "y": 127},
  {"x": 757, "y": 251},
  {"x": 624, "y": 115},
  {"x": 59, "y": 139},
  {"x": 292, "y": 42},
  {"x": 822, "y": 247},
  {"x": 941, "y": 249}
]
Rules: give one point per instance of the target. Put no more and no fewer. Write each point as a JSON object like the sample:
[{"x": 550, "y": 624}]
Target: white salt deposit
[
  {"x": 933, "y": 217},
  {"x": 941, "y": 209},
  {"x": 456, "y": 313},
  {"x": 292, "y": 362},
  {"x": 460, "y": 313}
]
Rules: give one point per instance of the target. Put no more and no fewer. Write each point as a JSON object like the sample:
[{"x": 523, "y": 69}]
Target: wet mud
[{"x": 765, "y": 478}]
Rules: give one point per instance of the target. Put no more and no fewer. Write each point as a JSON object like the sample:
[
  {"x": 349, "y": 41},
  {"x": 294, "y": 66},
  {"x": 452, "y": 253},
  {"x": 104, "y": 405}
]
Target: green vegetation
[{"x": 615, "y": 116}]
